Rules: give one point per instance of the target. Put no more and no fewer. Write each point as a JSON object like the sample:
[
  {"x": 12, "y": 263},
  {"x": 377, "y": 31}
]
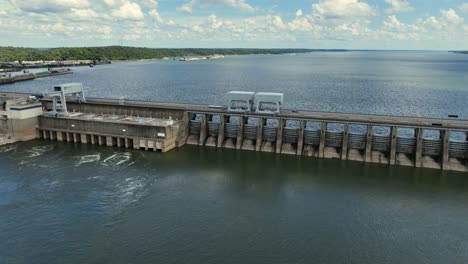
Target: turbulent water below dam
[{"x": 73, "y": 203}]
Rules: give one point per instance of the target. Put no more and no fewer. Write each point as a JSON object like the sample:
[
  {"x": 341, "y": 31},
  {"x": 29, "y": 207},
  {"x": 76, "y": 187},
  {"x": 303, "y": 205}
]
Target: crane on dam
[{"x": 59, "y": 95}]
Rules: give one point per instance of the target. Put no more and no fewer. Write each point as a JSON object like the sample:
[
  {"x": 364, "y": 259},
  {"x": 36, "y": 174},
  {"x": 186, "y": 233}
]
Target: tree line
[{"x": 9, "y": 54}]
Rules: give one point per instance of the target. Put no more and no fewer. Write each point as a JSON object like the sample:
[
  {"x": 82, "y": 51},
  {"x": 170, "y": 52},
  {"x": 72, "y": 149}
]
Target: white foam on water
[
  {"x": 38, "y": 151},
  {"x": 5, "y": 149},
  {"x": 130, "y": 191},
  {"x": 121, "y": 162},
  {"x": 54, "y": 183},
  {"x": 116, "y": 159},
  {"x": 110, "y": 158},
  {"x": 88, "y": 159},
  {"x": 96, "y": 177},
  {"x": 132, "y": 185},
  {"x": 49, "y": 184}
]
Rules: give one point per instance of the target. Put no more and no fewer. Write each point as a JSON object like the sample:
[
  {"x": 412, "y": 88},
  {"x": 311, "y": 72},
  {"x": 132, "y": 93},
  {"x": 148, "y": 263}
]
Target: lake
[{"x": 432, "y": 84}]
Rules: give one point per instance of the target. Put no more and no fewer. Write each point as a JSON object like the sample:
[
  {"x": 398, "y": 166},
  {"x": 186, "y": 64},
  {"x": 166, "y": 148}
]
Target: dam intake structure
[{"x": 394, "y": 140}]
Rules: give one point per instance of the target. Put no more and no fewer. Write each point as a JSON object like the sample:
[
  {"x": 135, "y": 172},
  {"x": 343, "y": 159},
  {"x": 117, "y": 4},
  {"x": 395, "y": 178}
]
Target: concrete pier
[
  {"x": 279, "y": 139},
  {"x": 300, "y": 140},
  {"x": 344, "y": 144},
  {"x": 240, "y": 131},
  {"x": 222, "y": 129},
  {"x": 259, "y": 140},
  {"x": 445, "y": 137},
  {"x": 203, "y": 128},
  {"x": 323, "y": 135},
  {"x": 368, "y": 153},
  {"x": 419, "y": 147},
  {"x": 393, "y": 144}
]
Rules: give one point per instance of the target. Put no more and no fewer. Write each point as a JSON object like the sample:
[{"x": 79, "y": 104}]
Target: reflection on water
[{"x": 66, "y": 203}]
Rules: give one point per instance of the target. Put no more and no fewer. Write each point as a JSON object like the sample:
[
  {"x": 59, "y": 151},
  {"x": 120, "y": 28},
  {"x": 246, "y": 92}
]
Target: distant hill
[
  {"x": 8, "y": 54},
  {"x": 460, "y": 51}
]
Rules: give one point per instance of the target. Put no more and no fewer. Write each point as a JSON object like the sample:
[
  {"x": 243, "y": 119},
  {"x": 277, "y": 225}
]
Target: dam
[{"x": 156, "y": 126}]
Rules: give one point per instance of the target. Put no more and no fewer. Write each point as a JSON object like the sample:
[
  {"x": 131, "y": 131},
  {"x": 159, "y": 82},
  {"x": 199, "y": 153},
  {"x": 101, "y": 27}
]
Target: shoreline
[
  {"x": 20, "y": 58},
  {"x": 21, "y": 68},
  {"x": 52, "y": 66}
]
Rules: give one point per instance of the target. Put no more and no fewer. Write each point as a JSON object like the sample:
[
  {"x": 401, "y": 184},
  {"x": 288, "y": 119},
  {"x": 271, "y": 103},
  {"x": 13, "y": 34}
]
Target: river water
[{"x": 66, "y": 203}]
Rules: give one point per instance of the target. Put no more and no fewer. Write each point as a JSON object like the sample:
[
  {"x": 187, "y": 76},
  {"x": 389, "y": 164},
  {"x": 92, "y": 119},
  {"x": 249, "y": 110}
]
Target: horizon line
[{"x": 231, "y": 48}]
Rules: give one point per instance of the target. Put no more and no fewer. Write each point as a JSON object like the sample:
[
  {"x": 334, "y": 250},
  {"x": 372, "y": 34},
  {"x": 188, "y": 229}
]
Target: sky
[{"x": 330, "y": 24}]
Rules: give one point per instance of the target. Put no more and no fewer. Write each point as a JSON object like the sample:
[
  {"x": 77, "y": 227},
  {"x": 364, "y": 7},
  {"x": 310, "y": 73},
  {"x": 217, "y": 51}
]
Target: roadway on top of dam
[
  {"x": 360, "y": 119},
  {"x": 364, "y": 119}
]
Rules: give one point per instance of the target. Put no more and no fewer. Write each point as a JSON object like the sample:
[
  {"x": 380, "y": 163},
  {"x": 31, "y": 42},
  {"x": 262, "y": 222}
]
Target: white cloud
[
  {"x": 152, "y": 4},
  {"x": 451, "y": 17},
  {"x": 393, "y": 24},
  {"x": 155, "y": 15},
  {"x": 431, "y": 22},
  {"x": 221, "y": 30},
  {"x": 336, "y": 9},
  {"x": 128, "y": 10},
  {"x": 213, "y": 4},
  {"x": 394, "y": 29},
  {"x": 301, "y": 23},
  {"x": 449, "y": 25},
  {"x": 278, "y": 22},
  {"x": 198, "y": 28},
  {"x": 464, "y": 7},
  {"x": 84, "y": 14},
  {"x": 240, "y": 4},
  {"x": 329, "y": 21},
  {"x": 52, "y": 6},
  {"x": 186, "y": 8},
  {"x": 353, "y": 29},
  {"x": 110, "y": 3},
  {"x": 398, "y": 6},
  {"x": 214, "y": 23}
]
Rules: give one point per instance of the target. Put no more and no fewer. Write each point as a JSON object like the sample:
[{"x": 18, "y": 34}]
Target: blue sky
[{"x": 351, "y": 24}]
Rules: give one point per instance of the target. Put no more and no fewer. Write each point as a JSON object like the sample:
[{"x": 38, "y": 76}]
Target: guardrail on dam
[{"x": 394, "y": 140}]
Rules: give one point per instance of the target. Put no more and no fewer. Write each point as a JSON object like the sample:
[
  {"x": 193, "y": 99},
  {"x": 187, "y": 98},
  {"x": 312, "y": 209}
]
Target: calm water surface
[
  {"x": 402, "y": 83},
  {"x": 66, "y": 203}
]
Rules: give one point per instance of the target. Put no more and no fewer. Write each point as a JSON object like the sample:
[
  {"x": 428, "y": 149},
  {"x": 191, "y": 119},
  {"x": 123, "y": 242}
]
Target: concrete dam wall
[
  {"x": 427, "y": 142},
  {"x": 3, "y": 125}
]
